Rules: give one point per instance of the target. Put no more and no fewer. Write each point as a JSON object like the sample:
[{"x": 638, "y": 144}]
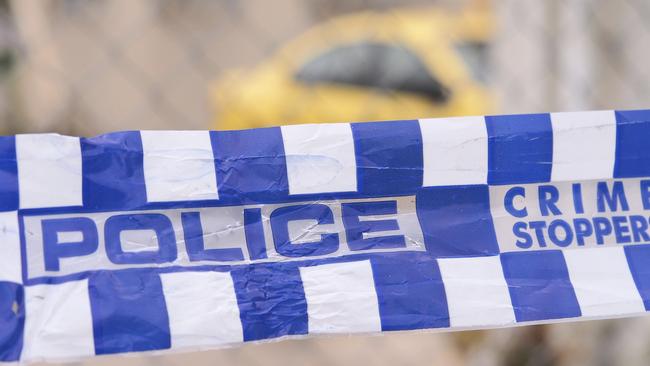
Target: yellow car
[{"x": 400, "y": 64}]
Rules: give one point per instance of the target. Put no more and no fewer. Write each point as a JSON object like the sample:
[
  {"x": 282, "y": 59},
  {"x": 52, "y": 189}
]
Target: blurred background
[{"x": 86, "y": 67}]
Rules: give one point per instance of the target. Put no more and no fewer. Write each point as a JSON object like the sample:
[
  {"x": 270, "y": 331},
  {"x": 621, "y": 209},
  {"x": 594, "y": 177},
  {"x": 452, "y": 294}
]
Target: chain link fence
[{"x": 86, "y": 67}]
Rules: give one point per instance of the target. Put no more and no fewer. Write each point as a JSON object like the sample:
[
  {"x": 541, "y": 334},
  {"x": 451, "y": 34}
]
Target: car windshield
[
  {"x": 388, "y": 67},
  {"x": 475, "y": 56}
]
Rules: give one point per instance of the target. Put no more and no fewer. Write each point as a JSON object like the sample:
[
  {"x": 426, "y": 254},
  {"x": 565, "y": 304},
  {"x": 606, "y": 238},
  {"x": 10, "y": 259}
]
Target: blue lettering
[
  {"x": 508, "y": 201},
  {"x": 602, "y": 227},
  {"x": 158, "y": 223},
  {"x": 583, "y": 229},
  {"x": 639, "y": 228},
  {"x": 645, "y": 194},
  {"x": 55, "y": 250},
  {"x": 519, "y": 229},
  {"x": 280, "y": 219},
  {"x": 539, "y": 227},
  {"x": 548, "y": 197},
  {"x": 621, "y": 229},
  {"x": 552, "y": 233},
  {"x": 254, "y": 232},
  {"x": 354, "y": 228},
  {"x": 576, "y": 188},
  {"x": 195, "y": 245},
  {"x": 604, "y": 196}
]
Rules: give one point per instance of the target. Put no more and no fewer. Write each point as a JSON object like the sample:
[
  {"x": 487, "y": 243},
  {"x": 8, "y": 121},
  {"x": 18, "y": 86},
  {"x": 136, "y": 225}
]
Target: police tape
[{"x": 184, "y": 240}]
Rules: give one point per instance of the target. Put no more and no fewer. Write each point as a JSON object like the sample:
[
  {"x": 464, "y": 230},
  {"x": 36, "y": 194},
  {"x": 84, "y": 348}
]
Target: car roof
[{"x": 412, "y": 25}]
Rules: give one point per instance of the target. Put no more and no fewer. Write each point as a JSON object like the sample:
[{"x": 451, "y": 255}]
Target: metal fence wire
[{"x": 85, "y": 67}]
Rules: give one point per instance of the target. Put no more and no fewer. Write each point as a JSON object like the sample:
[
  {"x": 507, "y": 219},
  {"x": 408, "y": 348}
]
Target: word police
[{"x": 69, "y": 243}]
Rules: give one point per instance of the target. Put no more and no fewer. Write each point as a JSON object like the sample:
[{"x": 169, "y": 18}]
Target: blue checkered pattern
[{"x": 449, "y": 172}]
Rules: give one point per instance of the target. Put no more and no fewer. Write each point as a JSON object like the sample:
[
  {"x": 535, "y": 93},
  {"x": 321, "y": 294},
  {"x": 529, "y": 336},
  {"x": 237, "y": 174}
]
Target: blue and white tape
[{"x": 155, "y": 240}]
